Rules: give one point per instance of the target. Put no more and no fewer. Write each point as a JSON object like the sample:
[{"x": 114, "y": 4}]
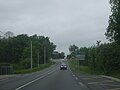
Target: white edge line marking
[{"x": 34, "y": 80}]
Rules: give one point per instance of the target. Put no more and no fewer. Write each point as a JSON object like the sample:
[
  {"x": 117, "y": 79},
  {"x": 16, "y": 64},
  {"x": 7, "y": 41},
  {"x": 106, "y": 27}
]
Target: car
[{"x": 63, "y": 67}]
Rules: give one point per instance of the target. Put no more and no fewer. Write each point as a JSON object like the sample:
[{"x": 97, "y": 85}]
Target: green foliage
[
  {"x": 25, "y": 63},
  {"x": 104, "y": 58},
  {"x": 78, "y": 69},
  {"x": 57, "y": 55},
  {"x": 23, "y": 71},
  {"x": 113, "y": 30},
  {"x": 17, "y": 49},
  {"x": 73, "y": 48}
]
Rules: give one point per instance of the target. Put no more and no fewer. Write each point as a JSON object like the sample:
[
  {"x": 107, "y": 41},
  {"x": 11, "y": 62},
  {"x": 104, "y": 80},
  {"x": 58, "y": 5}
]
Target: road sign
[{"x": 80, "y": 57}]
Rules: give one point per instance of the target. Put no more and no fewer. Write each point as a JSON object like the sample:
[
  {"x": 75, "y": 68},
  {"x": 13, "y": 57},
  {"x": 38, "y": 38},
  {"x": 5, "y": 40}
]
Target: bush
[
  {"x": 104, "y": 58},
  {"x": 25, "y": 63}
]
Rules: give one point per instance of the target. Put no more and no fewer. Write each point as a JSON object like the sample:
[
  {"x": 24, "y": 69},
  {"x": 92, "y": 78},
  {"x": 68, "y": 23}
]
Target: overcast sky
[{"x": 66, "y": 22}]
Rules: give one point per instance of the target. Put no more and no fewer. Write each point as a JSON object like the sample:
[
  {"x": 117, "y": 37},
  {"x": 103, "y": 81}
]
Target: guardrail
[{"x": 6, "y": 70}]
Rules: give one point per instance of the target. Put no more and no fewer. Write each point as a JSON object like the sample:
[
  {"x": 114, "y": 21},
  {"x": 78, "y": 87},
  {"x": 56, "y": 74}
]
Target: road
[{"x": 48, "y": 79}]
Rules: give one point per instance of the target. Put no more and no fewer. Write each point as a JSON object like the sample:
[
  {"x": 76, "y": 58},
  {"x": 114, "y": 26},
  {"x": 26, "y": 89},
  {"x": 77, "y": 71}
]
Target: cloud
[{"x": 66, "y": 22}]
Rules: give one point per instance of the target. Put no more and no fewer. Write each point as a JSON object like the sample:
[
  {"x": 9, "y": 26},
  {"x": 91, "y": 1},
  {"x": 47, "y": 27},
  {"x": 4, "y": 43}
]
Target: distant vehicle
[{"x": 63, "y": 67}]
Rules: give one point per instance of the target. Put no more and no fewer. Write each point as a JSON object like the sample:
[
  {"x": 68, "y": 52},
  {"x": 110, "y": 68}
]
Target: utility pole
[
  {"x": 38, "y": 58},
  {"x": 44, "y": 55},
  {"x": 31, "y": 55}
]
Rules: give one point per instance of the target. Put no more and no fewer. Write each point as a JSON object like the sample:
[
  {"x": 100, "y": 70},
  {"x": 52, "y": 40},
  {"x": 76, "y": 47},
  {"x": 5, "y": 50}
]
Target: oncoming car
[{"x": 63, "y": 67}]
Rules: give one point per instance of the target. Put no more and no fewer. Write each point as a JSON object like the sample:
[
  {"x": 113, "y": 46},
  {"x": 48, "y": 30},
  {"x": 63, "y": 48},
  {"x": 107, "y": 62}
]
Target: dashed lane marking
[
  {"x": 89, "y": 78},
  {"x": 100, "y": 82},
  {"x": 81, "y": 84},
  {"x": 76, "y": 78},
  {"x": 73, "y": 75}
]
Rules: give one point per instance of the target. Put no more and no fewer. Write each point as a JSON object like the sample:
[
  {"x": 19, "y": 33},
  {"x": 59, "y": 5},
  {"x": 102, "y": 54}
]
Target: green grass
[
  {"x": 116, "y": 75},
  {"x": 86, "y": 70},
  {"x": 24, "y": 71},
  {"x": 78, "y": 68}
]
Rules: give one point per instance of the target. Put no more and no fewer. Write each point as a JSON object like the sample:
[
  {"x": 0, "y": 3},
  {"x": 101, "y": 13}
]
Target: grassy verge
[
  {"x": 41, "y": 67},
  {"x": 78, "y": 68},
  {"x": 86, "y": 70},
  {"x": 116, "y": 75}
]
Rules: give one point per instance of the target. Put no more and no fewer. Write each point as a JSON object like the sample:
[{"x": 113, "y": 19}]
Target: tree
[
  {"x": 58, "y": 55},
  {"x": 9, "y": 34},
  {"x": 17, "y": 49},
  {"x": 73, "y": 48},
  {"x": 113, "y": 30},
  {"x": 62, "y": 54}
]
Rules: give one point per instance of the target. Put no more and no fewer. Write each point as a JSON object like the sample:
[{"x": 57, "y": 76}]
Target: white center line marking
[{"x": 34, "y": 80}]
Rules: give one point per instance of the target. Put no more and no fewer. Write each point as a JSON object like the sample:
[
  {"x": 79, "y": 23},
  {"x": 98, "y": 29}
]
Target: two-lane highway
[
  {"x": 51, "y": 78},
  {"x": 59, "y": 80}
]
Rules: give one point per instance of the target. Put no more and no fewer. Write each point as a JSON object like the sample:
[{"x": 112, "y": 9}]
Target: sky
[{"x": 65, "y": 22}]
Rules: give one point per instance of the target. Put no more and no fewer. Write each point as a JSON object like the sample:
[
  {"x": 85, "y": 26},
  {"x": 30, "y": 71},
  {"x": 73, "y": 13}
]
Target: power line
[{"x": 2, "y": 33}]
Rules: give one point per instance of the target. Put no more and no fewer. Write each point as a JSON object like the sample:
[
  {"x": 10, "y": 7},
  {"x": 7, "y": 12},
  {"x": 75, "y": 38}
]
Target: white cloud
[{"x": 66, "y": 22}]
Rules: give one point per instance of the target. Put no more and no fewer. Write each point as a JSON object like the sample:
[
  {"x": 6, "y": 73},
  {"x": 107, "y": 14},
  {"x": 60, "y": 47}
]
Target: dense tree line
[
  {"x": 113, "y": 30},
  {"x": 58, "y": 55},
  {"x": 17, "y": 49},
  {"x": 104, "y": 57}
]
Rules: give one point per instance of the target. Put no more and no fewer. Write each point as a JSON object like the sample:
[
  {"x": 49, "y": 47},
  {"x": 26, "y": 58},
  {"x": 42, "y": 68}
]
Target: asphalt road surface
[{"x": 48, "y": 79}]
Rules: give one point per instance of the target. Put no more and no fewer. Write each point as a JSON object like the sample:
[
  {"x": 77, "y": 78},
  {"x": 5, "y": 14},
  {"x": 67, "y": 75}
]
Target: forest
[
  {"x": 17, "y": 49},
  {"x": 103, "y": 57}
]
